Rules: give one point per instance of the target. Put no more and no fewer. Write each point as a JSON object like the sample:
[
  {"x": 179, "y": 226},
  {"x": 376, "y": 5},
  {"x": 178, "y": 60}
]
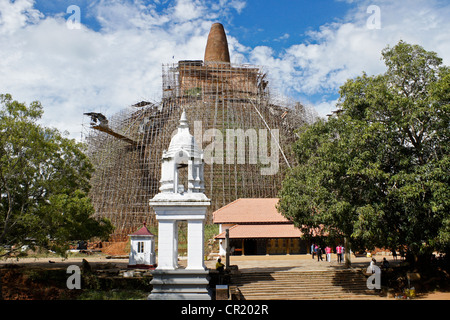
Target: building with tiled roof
[
  {"x": 256, "y": 227},
  {"x": 142, "y": 249}
]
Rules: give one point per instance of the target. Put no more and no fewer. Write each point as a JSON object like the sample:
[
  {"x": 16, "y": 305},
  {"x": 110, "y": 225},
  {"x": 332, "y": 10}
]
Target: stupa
[{"x": 219, "y": 97}]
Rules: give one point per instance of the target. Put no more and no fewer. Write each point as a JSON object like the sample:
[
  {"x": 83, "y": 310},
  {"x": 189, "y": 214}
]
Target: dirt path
[{"x": 435, "y": 296}]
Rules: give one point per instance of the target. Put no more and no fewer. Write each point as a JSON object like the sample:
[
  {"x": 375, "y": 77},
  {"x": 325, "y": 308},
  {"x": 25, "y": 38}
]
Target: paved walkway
[
  {"x": 302, "y": 262},
  {"x": 245, "y": 263}
]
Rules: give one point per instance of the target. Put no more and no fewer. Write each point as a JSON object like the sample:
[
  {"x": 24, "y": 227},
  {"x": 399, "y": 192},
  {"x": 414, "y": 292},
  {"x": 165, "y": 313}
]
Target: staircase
[{"x": 299, "y": 285}]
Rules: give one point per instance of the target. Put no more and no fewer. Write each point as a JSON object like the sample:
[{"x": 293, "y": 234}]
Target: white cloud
[
  {"x": 17, "y": 14},
  {"x": 186, "y": 10},
  {"x": 75, "y": 71},
  {"x": 324, "y": 108},
  {"x": 238, "y": 5},
  {"x": 339, "y": 51},
  {"x": 283, "y": 37}
]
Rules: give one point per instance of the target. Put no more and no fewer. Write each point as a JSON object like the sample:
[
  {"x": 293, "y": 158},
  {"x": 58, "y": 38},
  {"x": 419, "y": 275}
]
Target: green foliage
[
  {"x": 113, "y": 295},
  {"x": 379, "y": 171},
  {"x": 44, "y": 180}
]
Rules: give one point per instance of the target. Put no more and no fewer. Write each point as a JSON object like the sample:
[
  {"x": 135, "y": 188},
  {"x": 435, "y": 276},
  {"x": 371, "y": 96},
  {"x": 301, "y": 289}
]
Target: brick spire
[{"x": 217, "y": 45}]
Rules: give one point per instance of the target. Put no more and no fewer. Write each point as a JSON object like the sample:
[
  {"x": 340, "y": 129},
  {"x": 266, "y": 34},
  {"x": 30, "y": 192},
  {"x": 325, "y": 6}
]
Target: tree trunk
[{"x": 348, "y": 261}]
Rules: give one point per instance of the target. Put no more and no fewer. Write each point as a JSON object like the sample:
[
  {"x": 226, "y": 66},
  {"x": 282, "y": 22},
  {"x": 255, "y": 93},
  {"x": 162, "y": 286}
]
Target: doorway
[{"x": 255, "y": 246}]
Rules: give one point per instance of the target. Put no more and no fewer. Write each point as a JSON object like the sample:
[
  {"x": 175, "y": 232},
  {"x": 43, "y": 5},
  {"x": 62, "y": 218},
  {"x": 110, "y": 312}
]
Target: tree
[
  {"x": 378, "y": 172},
  {"x": 44, "y": 181}
]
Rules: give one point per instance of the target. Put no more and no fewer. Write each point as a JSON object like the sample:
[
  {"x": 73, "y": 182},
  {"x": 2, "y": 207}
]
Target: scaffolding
[{"x": 219, "y": 99}]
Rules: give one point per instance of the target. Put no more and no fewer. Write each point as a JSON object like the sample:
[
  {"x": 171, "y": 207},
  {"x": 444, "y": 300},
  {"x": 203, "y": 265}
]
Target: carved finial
[{"x": 183, "y": 120}]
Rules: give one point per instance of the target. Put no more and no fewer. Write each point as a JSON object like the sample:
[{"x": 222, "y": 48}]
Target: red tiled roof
[
  {"x": 142, "y": 232},
  {"x": 262, "y": 231},
  {"x": 245, "y": 210}
]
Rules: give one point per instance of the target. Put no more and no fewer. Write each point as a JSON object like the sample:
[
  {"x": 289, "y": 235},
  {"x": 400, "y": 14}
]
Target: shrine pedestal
[
  {"x": 180, "y": 284},
  {"x": 178, "y": 201}
]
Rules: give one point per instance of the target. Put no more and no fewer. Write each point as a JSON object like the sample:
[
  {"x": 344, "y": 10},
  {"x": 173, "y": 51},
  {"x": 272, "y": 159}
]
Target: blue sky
[
  {"x": 281, "y": 23},
  {"x": 309, "y": 48}
]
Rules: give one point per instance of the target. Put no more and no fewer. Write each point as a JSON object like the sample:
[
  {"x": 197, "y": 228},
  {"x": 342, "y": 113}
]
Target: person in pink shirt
[
  {"x": 339, "y": 253},
  {"x": 328, "y": 252}
]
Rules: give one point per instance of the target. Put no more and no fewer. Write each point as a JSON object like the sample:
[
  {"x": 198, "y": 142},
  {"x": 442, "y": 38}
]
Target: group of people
[
  {"x": 373, "y": 264},
  {"x": 317, "y": 250}
]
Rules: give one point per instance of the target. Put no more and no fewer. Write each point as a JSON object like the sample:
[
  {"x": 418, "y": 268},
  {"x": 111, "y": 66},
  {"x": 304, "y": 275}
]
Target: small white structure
[
  {"x": 180, "y": 200},
  {"x": 142, "y": 251}
]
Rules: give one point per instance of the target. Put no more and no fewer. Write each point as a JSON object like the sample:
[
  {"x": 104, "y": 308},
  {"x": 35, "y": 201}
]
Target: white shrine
[
  {"x": 142, "y": 249},
  {"x": 180, "y": 200}
]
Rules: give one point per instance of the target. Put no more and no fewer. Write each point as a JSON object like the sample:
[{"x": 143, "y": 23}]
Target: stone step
[
  {"x": 269, "y": 278},
  {"x": 180, "y": 281},
  {"x": 278, "y": 284},
  {"x": 178, "y": 296},
  {"x": 302, "y": 289},
  {"x": 312, "y": 280},
  {"x": 303, "y": 281},
  {"x": 295, "y": 294},
  {"x": 300, "y": 293},
  {"x": 315, "y": 297},
  {"x": 282, "y": 285},
  {"x": 304, "y": 293},
  {"x": 290, "y": 295},
  {"x": 179, "y": 290},
  {"x": 301, "y": 275}
]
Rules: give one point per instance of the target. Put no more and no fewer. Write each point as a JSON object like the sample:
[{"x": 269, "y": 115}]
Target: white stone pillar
[
  {"x": 175, "y": 244},
  {"x": 222, "y": 251},
  {"x": 196, "y": 249},
  {"x": 167, "y": 245}
]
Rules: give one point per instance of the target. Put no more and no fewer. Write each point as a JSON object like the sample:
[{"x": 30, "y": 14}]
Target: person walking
[
  {"x": 372, "y": 263},
  {"x": 338, "y": 253},
  {"x": 319, "y": 253},
  {"x": 328, "y": 252},
  {"x": 313, "y": 250}
]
